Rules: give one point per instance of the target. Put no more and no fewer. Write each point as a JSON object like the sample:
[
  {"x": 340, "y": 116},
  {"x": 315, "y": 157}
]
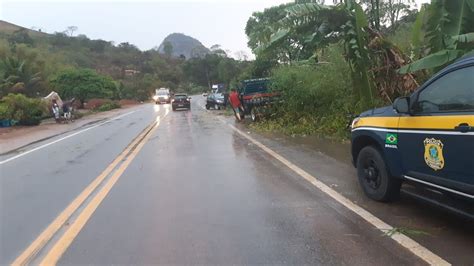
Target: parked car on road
[
  {"x": 181, "y": 101},
  {"x": 426, "y": 139},
  {"x": 215, "y": 100}
]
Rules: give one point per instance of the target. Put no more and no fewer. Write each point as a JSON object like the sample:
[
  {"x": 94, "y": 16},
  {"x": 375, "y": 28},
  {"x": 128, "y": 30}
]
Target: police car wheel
[{"x": 374, "y": 178}]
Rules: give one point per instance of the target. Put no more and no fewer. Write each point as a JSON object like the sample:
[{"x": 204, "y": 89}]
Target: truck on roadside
[{"x": 256, "y": 97}]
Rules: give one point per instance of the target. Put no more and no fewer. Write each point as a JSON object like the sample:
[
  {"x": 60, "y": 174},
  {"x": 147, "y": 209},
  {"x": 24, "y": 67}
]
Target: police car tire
[{"x": 389, "y": 188}]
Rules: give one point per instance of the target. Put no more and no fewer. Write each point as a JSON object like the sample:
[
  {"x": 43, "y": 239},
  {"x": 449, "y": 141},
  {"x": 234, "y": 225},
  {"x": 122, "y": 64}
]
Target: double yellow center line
[{"x": 94, "y": 190}]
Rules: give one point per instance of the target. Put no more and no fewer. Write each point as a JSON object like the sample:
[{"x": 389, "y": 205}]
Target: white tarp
[{"x": 53, "y": 96}]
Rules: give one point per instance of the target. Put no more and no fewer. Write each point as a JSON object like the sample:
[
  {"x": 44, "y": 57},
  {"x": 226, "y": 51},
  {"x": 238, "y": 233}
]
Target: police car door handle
[{"x": 464, "y": 127}]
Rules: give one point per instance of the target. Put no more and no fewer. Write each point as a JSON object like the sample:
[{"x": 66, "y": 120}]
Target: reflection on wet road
[{"x": 190, "y": 190}]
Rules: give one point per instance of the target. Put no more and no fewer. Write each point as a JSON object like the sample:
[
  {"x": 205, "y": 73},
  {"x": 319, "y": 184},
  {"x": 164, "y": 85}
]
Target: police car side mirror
[{"x": 402, "y": 105}]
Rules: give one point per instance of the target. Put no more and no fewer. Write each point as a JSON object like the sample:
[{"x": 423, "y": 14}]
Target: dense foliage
[
  {"x": 83, "y": 84},
  {"x": 328, "y": 61},
  {"x": 20, "y": 108},
  {"x": 317, "y": 97},
  {"x": 448, "y": 34},
  {"x": 373, "y": 37},
  {"x": 32, "y": 65}
]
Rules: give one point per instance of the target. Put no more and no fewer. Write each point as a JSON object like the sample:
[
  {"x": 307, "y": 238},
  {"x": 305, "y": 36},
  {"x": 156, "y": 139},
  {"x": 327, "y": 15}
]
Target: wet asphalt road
[{"x": 197, "y": 193}]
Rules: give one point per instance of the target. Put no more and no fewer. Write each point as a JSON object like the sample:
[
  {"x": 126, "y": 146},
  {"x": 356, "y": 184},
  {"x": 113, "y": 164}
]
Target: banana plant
[
  {"x": 449, "y": 34},
  {"x": 322, "y": 25},
  {"x": 356, "y": 44}
]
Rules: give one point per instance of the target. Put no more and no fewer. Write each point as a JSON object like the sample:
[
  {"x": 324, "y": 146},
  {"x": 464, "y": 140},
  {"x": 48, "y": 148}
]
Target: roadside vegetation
[
  {"x": 332, "y": 61},
  {"x": 23, "y": 110},
  {"x": 327, "y": 61},
  {"x": 32, "y": 64}
]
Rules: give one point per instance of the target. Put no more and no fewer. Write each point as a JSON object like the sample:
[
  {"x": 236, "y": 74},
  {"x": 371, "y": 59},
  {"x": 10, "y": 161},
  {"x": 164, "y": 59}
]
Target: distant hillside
[
  {"x": 9, "y": 28},
  {"x": 183, "y": 45}
]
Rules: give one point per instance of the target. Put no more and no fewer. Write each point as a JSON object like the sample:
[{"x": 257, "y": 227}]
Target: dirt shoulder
[{"x": 12, "y": 138}]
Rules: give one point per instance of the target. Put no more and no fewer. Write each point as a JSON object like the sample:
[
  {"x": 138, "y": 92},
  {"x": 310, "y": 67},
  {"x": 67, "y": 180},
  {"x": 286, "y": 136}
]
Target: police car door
[{"x": 437, "y": 140}]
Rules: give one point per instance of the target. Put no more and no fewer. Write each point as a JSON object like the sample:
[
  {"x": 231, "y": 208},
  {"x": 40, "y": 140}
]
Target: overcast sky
[{"x": 144, "y": 23}]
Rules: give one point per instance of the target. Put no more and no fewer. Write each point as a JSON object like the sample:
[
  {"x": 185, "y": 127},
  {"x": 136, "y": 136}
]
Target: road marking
[
  {"x": 71, "y": 233},
  {"x": 63, "y": 138},
  {"x": 60, "y": 220},
  {"x": 405, "y": 241}
]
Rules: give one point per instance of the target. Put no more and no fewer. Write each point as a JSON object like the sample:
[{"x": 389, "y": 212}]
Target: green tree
[
  {"x": 141, "y": 87},
  {"x": 59, "y": 40},
  {"x": 168, "y": 49},
  {"x": 217, "y": 49},
  {"x": 70, "y": 30},
  {"x": 20, "y": 36},
  {"x": 98, "y": 46},
  {"x": 260, "y": 29},
  {"x": 203, "y": 71},
  {"x": 227, "y": 70},
  {"x": 83, "y": 84}
]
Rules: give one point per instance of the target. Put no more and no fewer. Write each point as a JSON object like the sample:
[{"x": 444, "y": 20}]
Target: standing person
[
  {"x": 67, "y": 109},
  {"x": 55, "y": 109},
  {"x": 235, "y": 103}
]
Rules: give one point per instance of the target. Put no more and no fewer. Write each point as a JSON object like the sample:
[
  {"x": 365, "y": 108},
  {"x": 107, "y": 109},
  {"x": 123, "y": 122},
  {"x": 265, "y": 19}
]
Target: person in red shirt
[{"x": 235, "y": 103}]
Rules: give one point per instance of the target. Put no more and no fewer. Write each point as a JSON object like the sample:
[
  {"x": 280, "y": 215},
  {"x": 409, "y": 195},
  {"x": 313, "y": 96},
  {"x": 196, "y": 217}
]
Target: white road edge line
[
  {"x": 405, "y": 241},
  {"x": 63, "y": 138}
]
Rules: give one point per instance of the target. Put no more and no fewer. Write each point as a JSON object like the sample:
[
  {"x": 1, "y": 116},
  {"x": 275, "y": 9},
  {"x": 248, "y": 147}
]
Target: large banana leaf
[
  {"x": 449, "y": 33},
  {"x": 433, "y": 60},
  {"x": 465, "y": 38},
  {"x": 448, "y": 18}
]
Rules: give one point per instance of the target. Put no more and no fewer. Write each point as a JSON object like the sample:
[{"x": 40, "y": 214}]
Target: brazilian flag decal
[{"x": 391, "y": 138}]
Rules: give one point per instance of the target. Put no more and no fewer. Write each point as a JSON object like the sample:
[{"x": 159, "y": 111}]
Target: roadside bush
[
  {"x": 102, "y": 105},
  {"x": 108, "y": 106},
  {"x": 4, "y": 112},
  {"x": 127, "y": 102},
  {"x": 316, "y": 97},
  {"x": 94, "y": 103},
  {"x": 26, "y": 111}
]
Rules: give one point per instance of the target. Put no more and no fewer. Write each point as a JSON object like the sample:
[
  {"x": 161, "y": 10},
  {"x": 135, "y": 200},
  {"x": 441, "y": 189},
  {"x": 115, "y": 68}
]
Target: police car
[{"x": 426, "y": 138}]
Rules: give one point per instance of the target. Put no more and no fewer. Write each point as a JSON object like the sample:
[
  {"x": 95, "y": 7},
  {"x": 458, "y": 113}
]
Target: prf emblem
[{"x": 434, "y": 153}]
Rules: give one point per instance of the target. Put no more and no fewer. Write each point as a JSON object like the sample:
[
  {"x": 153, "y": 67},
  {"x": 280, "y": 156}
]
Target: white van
[{"x": 162, "y": 95}]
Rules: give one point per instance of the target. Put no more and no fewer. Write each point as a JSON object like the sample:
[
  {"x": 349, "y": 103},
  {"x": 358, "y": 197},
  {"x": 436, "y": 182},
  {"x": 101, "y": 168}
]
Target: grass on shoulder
[{"x": 333, "y": 127}]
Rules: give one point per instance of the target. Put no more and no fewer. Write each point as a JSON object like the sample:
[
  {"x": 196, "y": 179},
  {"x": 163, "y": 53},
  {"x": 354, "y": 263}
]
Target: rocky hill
[
  {"x": 183, "y": 45},
  {"x": 9, "y": 28}
]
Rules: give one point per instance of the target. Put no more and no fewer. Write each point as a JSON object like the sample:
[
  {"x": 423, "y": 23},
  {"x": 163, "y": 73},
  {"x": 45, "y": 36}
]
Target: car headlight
[
  {"x": 219, "y": 100},
  {"x": 354, "y": 122},
  {"x": 155, "y": 97}
]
